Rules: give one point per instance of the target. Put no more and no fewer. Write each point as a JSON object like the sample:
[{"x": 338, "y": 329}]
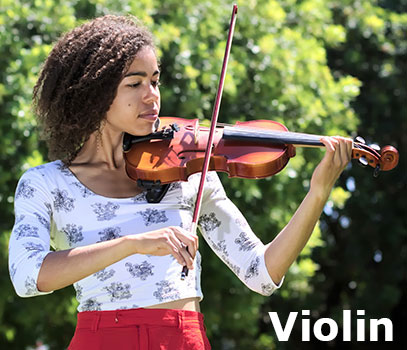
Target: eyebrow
[{"x": 143, "y": 74}]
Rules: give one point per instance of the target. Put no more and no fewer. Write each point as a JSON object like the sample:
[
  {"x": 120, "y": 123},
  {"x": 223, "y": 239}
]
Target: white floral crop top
[{"x": 53, "y": 209}]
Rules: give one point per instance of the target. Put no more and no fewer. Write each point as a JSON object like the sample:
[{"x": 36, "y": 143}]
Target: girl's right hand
[{"x": 174, "y": 240}]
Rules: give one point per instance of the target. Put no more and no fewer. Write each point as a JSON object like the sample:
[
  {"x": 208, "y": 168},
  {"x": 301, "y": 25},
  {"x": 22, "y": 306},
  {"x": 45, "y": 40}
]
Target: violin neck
[{"x": 271, "y": 136}]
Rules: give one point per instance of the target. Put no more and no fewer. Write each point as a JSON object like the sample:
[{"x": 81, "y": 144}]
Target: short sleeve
[
  {"x": 30, "y": 237},
  {"x": 229, "y": 235}
]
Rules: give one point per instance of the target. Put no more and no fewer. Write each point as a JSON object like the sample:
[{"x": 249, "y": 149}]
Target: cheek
[
  {"x": 114, "y": 105},
  {"x": 118, "y": 110}
]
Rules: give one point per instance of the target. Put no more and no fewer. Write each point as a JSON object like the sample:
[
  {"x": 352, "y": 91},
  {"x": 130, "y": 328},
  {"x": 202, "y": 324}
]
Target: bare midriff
[{"x": 191, "y": 304}]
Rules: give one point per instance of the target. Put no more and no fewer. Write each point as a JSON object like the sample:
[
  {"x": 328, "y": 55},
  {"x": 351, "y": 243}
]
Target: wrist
[
  {"x": 320, "y": 193},
  {"x": 130, "y": 243}
]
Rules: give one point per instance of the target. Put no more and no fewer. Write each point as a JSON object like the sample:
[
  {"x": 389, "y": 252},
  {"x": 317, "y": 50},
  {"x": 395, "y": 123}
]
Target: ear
[{"x": 157, "y": 124}]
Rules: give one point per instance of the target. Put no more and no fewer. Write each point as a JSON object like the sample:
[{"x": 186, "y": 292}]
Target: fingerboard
[{"x": 267, "y": 137}]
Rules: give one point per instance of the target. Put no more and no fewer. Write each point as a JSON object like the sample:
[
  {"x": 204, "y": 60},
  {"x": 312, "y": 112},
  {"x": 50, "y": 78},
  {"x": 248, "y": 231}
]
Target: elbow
[
  {"x": 29, "y": 288},
  {"x": 42, "y": 286},
  {"x": 26, "y": 285},
  {"x": 263, "y": 284},
  {"x": 274, "y": 269},
  {"x": 262, "y": 277},
  {"x": 264, "y": 289},
  {"x": 276, "y": 277},
  {"x": 19, "y": 281},
  {"x": 20, "y": 291},
  {"x": 22, "y": 294}
]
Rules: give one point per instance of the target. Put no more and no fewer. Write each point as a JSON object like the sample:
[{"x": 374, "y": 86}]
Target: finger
[
  {"x": 187, "y": 238},
  {"x": 185, "y": 256},
  {"x": 189, "y": 260},
  {"x": 190, "y": 244},
  {"x": 328, "y": 145},
  {"x": 345, "y": 148},
  {"x": 175, "y": 251},
  {"x": 346, "y": 151},
  {"x": 329, "y": 150},
  {"x": 349, "y": 146},
  {"x": 337, "y": 159}
]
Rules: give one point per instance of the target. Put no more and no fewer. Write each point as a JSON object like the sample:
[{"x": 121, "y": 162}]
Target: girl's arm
[
  {"x": 63, "y": 268},
  {"x": 286, "y": 247}
]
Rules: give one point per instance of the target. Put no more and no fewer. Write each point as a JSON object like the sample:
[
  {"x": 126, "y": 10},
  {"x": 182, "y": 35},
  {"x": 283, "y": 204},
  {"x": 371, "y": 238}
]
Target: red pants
[{"x": 140, "y": 329}]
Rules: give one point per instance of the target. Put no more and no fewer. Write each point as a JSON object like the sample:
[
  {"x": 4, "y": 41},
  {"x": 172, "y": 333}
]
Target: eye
[{"x": 134, "y": 85}]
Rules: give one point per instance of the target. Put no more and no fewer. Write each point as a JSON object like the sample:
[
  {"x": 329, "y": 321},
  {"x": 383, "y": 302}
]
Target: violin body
[
  {"x": 251, "y": 149},
  {"x": 177, "y": 158}
]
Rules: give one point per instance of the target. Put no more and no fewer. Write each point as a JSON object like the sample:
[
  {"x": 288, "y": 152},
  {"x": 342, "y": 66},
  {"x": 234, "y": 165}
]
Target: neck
[{"x": 102, "y": 149}]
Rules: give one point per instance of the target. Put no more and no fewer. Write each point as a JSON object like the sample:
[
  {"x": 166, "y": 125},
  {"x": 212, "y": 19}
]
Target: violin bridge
[{"x": 196, "y": 131}]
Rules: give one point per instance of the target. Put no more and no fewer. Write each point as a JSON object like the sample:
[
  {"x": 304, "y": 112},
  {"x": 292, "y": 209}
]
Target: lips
[{"x": 151, "y": 115}]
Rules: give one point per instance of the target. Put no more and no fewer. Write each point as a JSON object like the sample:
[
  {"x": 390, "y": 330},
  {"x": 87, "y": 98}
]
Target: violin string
[
  {"x": 284, "y": 136},
  {"x": 292, "y": 137}
]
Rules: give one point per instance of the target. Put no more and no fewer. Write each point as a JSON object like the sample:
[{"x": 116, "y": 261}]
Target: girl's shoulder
[
  {"x": 51, "y": 169},
  {"x": 42, "y": 176}
]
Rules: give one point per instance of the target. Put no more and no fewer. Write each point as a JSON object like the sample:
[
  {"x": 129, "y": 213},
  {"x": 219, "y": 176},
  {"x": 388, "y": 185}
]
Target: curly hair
[{"x": 79, "y": 80}]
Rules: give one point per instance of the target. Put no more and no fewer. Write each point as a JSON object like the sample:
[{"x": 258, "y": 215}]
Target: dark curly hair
[{"x": 79, "y": 80}]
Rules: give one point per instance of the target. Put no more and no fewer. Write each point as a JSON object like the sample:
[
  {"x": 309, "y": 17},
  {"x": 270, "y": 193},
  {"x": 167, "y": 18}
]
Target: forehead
[{"x": 145, "y": 60}]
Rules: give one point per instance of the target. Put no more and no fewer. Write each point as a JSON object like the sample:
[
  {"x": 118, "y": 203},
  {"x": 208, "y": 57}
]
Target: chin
[{"x": 141, "y": 131}]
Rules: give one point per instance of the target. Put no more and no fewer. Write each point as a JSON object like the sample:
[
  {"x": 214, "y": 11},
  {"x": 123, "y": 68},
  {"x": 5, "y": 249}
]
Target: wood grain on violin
[{"x": 251, "y": 149}]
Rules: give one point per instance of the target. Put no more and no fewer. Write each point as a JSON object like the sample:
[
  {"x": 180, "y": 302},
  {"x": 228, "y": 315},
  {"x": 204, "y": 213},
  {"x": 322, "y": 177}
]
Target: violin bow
[{"x": 214, "y": 120}]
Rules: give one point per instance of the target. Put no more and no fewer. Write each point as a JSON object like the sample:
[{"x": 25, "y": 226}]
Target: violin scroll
[
  {"x": 385, "y": 159},
  {"x": 389, "y": 158}
]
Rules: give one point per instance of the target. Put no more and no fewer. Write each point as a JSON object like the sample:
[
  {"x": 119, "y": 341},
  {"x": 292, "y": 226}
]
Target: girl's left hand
[{"x": 337, "y": 156}]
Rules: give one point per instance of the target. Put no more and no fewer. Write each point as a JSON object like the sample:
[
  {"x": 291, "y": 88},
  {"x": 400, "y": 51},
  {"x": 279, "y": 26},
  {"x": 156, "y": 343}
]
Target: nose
[{"x": 152, "y": 94}]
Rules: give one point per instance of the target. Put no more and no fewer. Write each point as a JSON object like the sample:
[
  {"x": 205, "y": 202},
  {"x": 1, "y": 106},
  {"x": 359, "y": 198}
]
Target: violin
[{"x": 249, "y": 149}]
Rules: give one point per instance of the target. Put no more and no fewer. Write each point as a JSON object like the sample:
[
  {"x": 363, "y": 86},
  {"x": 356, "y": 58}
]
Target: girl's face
[{"x": 136, "y": 106}]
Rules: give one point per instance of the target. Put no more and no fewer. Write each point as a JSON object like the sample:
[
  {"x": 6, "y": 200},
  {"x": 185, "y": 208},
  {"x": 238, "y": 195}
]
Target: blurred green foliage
[{"x": 323, "y": 67}]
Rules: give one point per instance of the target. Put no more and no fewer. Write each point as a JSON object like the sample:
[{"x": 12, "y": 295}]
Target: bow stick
[{"x": 214, "y": 120}]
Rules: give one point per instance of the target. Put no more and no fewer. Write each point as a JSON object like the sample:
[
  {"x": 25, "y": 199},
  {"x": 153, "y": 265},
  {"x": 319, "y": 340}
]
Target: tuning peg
[
  {"x": 175, "y": 127},
  {"x": 363, "y": 161},
  {"x": 360, "y": 139},
  {"x": 375, "y": 146}
]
